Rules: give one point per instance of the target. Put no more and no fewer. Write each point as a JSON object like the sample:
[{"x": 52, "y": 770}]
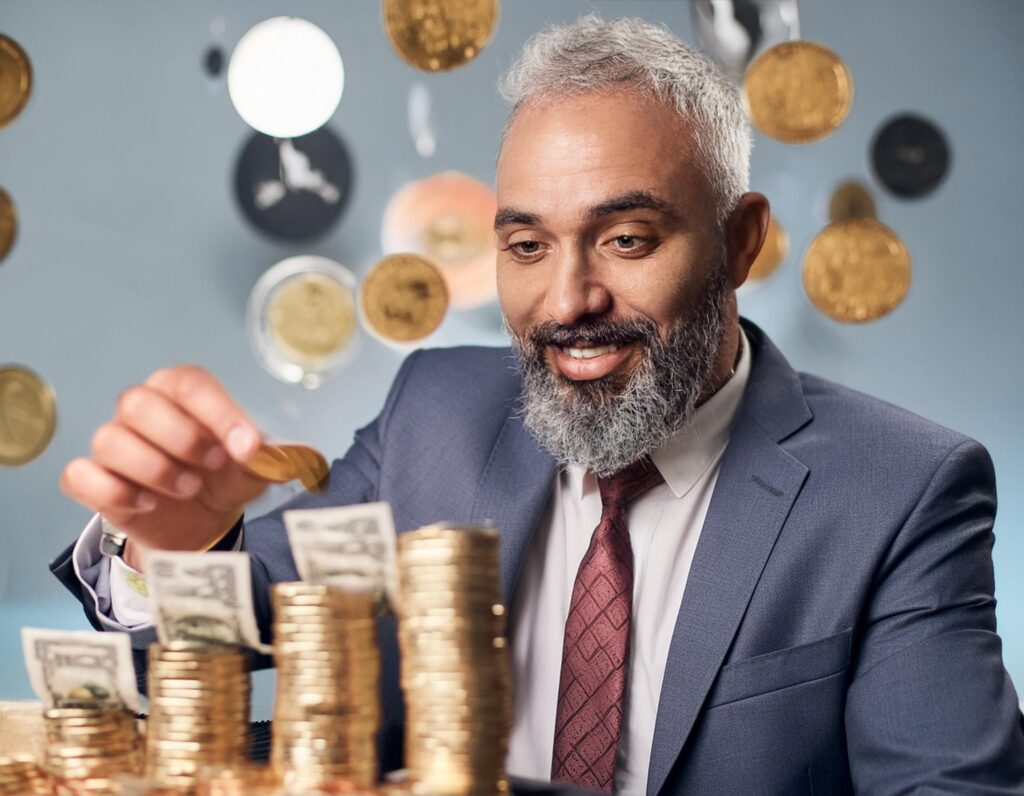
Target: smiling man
[{"x": 724, "y": 576}]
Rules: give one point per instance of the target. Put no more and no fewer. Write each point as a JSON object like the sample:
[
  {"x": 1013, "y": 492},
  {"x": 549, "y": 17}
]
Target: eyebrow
[{"x": 633, "y": 200}]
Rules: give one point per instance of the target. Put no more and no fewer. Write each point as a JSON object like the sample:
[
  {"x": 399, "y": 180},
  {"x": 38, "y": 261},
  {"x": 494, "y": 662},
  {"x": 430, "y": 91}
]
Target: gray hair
[{"x": 593, "y": 55}]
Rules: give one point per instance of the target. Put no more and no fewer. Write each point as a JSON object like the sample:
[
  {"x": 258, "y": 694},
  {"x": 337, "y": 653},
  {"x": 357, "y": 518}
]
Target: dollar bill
[
  {"x": 202, "y": 598},
  {"x": 80, "y": 668},
  {"x": 348, "y": 546}
]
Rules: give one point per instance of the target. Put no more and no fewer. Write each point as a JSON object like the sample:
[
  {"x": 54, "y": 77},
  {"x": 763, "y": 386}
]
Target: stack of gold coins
[
  {"x": 455, "y": 669},
  {"x": 20, "y": 774},
  {"x": 327, "y": 708},
  {"x": 198, "y": 711},
  {"x": 248, "y": 780},
  {"x": 87, "y": 746}
]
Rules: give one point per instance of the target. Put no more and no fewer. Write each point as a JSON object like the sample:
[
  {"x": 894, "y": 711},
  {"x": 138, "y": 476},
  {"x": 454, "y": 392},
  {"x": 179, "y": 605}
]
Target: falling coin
[
  {"x": 773, "y": 252},
  {"x": 851, "y": 200},
  {"x": 15, "y": 79},
  {"x": 798, "y": 92},
  {"x": 856, "y": 270},
  {"x": 28, "y": 415},
  {"x": 404, "y": 298},
  {"x": 283, "y": 463},
  {"x": 910, "y": 156},
  {"x": 439, "y": 35},
  {"x": 8, "y": 224},
  {"x": 449, "y": 218},
  {"x": 312, "y": 317}
]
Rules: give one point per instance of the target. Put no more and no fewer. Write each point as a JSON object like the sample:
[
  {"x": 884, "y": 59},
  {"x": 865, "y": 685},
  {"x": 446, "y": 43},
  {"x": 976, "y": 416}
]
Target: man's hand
[{"x": 166, "y": 469}]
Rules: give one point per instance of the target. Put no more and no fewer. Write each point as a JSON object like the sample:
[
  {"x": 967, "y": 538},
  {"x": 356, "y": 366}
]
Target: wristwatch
[{"x": 111, "y": 540}]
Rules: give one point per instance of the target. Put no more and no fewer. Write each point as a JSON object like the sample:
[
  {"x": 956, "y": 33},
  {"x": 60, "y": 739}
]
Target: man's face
[
  {"x": 610, "y": 273},
  {"x": 602, "y": 215}
]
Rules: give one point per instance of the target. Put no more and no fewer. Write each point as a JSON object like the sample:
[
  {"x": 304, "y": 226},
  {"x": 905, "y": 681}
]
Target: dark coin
[
  {"x": 910, "y": 156},
  {"x": 294, "y": 188}
]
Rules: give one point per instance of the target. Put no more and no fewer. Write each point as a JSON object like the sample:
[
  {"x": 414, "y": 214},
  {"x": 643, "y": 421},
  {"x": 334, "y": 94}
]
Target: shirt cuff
[
  {"x": 94, "y": 570},
  {"x": 118, "y": 592}
]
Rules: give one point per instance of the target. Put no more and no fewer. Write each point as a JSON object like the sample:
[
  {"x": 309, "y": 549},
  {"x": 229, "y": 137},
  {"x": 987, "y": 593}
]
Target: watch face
[
  {"x": 910, "y": 156},
  {"x": 293, "y": 188}
]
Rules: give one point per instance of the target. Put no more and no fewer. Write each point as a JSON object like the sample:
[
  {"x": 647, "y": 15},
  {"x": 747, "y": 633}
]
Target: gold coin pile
[
  {"x": 85, "y": 747},
  {"x": 326, "y": 709},
  {"x": 455, "y": 670},
  {"x": 198, "y": 711},
  {"x": 250, "y": 780},
  {"x": 20, "y": 774}
]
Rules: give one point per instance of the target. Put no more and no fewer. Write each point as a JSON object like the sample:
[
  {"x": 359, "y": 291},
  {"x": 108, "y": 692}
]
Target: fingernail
[
  {"x": 241, "y": 442},
  {"x": 188, "y": 484},
  {"x": 215, "y": 458},
  {"x": 145, "y": 502}
]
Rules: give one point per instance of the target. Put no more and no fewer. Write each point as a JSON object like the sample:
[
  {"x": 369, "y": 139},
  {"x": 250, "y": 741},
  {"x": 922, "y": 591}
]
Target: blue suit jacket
[{"x": 837, "y": 631}]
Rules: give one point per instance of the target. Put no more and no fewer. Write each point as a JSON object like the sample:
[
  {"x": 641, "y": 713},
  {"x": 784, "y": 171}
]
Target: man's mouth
[{"x": 587, "y": 362}]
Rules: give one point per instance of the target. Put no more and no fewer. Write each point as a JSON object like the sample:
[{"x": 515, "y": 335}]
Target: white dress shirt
[{"x": 664, "y": 526}]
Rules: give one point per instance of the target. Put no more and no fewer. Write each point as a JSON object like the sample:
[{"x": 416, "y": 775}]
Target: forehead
[{"x": 565, "y": 154}]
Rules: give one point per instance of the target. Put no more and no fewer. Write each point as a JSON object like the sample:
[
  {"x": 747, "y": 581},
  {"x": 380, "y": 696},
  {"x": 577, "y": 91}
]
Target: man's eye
[
  {"x": 526, "y": 247},
  {"x": 628, "y": 241}
]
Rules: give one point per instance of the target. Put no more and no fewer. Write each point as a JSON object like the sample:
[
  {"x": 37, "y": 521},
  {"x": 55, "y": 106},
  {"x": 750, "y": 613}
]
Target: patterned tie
[{"x": 596, "y": 647}]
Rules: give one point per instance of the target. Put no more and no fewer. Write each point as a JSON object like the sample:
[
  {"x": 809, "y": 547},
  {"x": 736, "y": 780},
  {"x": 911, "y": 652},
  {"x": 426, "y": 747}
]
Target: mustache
[{"x": 593, "y": 333}]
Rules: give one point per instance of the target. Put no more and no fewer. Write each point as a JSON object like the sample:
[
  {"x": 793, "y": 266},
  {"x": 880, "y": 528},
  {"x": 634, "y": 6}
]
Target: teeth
[{"x": 589, "y": 353}]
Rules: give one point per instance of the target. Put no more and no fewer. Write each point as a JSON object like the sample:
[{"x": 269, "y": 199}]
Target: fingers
[
  {"x": 157, "y": 419},
  {"x": 102, "y": 491},
  {"x": 202, "y": 397},
  {"x": 124, "y": 453}
]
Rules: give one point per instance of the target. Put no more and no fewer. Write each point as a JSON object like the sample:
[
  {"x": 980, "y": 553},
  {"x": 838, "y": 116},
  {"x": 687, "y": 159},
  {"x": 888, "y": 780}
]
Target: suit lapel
[
  {"x": 514, "y": 489},
  {"x": 757, "y": 484}
]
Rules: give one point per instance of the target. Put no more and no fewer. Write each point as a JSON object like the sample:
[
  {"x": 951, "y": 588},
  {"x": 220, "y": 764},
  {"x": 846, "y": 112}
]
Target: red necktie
[{"x": 596, "y": 646}]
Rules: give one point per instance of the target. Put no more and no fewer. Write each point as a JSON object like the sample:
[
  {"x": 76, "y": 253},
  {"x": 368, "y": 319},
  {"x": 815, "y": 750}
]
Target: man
[{"x": 724, "y": 576}]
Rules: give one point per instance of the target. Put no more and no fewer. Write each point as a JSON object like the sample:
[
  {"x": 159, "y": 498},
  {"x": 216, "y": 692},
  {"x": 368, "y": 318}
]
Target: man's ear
[{"x": 745, "y": 231}]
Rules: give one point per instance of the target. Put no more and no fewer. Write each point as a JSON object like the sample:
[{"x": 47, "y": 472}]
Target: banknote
[
  {"x": 202, "y": 598},
  {"x": 348, "y": 546},
  {"x": 80, "y": 668}
]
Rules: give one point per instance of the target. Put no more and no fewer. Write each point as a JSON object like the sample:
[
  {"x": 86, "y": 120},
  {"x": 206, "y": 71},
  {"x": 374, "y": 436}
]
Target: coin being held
[
  {"x": 28, "y": 415},
  {"x": 798, "y": 92},
  {"x": 439, "y": 35},
  {"x": 404, "y": 298},
  {"x": 15, "y": 79},
  {"x": 773, "y": 252},
  {"x": 8, "y": 224},
  {"x": 283, "y": 463},
  {"x": 851, "y": 200},
  {"x": 856, "y": 270}
]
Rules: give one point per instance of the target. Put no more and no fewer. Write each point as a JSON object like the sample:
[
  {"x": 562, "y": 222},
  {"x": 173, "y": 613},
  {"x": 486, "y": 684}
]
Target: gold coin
[
  {"x": 439, "y": 35},
  {"x": 856, "y": 270},
  {"x": 282, "y": 463},
  {"x": 404, "y": 298},
  {"x": 773, "y": 252},
  {"x": 28, "y": 415},
  {"x": 851, "y": 200},
  {"x": 311, "y": 317},
  {"x": 15, "y": 79},
  {"x": 8, "y": 224},
  {"x": 798, "y": 92}
]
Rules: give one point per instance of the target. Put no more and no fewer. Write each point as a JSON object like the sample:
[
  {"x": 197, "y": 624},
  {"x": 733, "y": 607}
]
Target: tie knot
[{"x": 618, "y": 489}]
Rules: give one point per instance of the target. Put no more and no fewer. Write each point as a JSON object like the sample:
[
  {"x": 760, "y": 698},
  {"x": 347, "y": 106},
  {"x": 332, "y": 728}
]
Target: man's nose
[{"x": 575, "y": 290}]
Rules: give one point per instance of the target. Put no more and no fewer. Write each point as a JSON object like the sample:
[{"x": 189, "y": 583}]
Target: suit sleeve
[{"x": 930, "y": 707}]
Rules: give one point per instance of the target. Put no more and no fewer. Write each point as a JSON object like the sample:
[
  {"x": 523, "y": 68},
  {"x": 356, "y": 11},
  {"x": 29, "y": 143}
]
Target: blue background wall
[{"x": 132, "y": 255}]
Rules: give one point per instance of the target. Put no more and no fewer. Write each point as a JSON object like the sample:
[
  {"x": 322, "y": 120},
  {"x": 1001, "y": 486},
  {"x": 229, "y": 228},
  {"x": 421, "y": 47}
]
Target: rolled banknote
[
  {"x": 348, "y": 546},
  {"x": 202, "y": 598},
  {"x": 80, "y": 668}
]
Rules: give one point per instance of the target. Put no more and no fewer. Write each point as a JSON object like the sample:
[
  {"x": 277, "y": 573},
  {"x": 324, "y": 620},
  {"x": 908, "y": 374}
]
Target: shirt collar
[{"x": 686, "y": 456}]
